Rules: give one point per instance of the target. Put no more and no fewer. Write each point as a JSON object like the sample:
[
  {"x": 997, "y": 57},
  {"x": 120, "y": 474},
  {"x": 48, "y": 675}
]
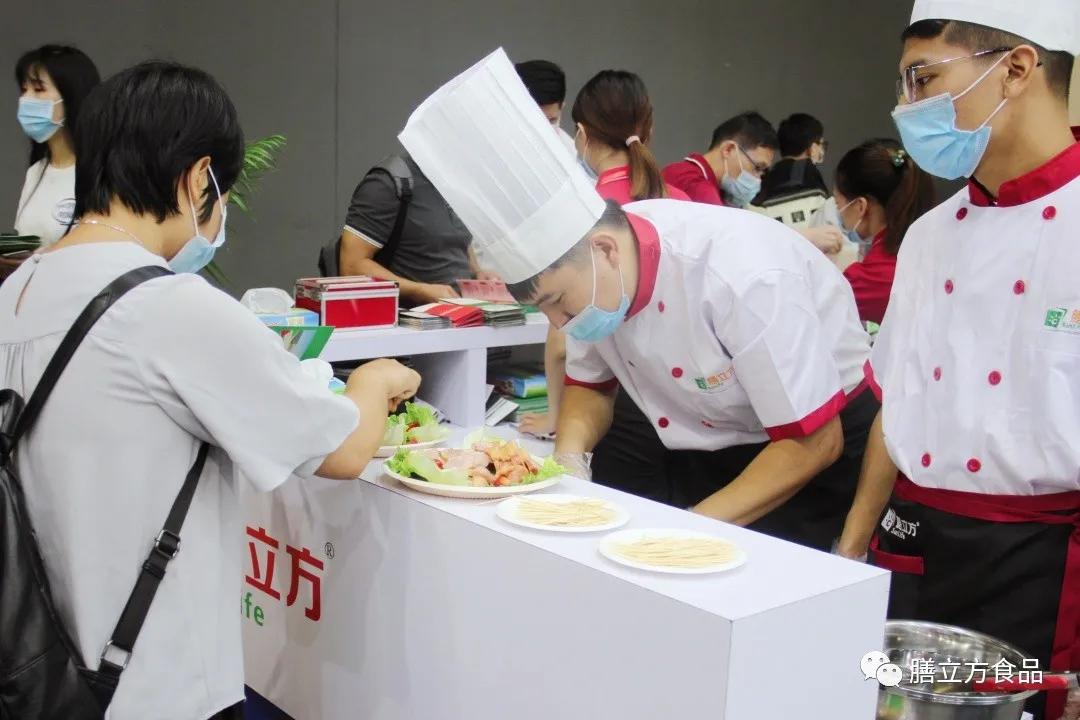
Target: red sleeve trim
[
  {"x": 606, "y": 386},
  {"x": 812, "y": 422},
  {"x": 874, "y": 387}
]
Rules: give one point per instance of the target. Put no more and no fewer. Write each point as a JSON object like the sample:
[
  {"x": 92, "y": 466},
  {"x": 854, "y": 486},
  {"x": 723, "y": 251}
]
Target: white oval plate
[
  {"x": 389, "y": 451},
  {"x": 633, "y": 535},
  {"x": 468, "y": 491},
  {"x": 507, "y": 510}
]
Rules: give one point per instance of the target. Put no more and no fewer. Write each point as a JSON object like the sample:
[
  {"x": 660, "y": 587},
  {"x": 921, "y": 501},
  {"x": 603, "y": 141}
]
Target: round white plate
[
  {"x": 633, "y": 535},
  {"x": 507, "y": 510},
  {"x": 389, "y": 451},
  {"x": 468, "y": 491}
]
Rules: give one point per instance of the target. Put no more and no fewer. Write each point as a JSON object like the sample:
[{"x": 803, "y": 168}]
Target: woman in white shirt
[
  {"x": 53, "y": 82},
  {"x": 172, "y": 364}
]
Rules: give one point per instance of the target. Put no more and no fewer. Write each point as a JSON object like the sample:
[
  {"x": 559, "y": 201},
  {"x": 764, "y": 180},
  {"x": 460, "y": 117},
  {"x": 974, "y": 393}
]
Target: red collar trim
[
  {"x": 622, "y": 172},
  {"x": 879, "y": 238},
  {"x": 1040, "y": 182},
  {"x": 703, "y": 164},
  {"x": 648, "y": 243}
]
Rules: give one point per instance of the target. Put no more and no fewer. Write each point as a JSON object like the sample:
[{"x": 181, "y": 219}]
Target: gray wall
[{"x": 339, "y": 78}]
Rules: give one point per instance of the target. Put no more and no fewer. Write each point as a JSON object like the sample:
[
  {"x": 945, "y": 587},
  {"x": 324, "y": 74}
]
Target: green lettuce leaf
[
  {"x": 416, "y": 414},
  {"x": 548, "y": 469},
  {"x": 428, "y": 433},
  {"x": 418, "y": 465},
  {"x": 395, "y": 431}
]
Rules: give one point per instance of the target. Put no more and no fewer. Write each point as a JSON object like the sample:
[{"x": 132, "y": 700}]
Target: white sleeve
[
  {"x": 781, "y": 355},
  {"x": 585, "y": 367},
  {"x": 225, "y": 377}
]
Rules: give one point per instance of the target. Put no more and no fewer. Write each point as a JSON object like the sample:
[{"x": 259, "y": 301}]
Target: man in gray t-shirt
[{"x": 433, "y": 250}]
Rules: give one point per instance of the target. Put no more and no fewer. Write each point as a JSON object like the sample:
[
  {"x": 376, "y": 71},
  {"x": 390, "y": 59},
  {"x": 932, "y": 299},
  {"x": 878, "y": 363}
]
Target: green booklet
[
  {"x": 304, "y": 341},
  {"x": 12, "y": 244}
]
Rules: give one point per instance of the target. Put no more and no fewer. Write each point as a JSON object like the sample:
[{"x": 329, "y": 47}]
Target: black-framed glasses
[
  {"x": 913, "y": 78},
  {"x": 759, "y": 168}
]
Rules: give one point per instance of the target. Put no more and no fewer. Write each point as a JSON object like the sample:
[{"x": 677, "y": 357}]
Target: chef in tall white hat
[
  {"x": 978, "y": 360},
  {"x": 733, "y": 335}
]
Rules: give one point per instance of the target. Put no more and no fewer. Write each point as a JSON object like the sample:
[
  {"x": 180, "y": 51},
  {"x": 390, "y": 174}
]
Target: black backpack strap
[
  {"x": 86, "y": 320},
  {"x": 117, "y": 652}
]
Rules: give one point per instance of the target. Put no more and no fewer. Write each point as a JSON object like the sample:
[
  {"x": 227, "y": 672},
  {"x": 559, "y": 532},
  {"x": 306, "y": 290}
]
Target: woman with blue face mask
[
  {"x": 879, "y": 193},
  {"x": 174, "y": 367},
  {"x": 53, "y": 81}
]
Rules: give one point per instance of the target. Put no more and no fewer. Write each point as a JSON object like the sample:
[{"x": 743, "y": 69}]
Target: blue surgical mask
[
  {"x": 593, "y": 324},
  {"x": 852, "y": 234},
  {"x": 584, "y": 165},
  {"x": 35, "y": 116},
  {"x": 198, "y": 251},
  {"x": 742, "y": 189},
  {"x": 928, "y": 130}
]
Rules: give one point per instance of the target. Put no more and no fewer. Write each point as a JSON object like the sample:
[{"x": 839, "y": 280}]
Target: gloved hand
[{"x": 576, "y": 464}]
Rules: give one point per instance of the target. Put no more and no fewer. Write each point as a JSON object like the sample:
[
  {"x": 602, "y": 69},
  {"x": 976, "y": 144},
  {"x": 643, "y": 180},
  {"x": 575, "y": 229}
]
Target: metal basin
[{"x": 907, "y": 640}]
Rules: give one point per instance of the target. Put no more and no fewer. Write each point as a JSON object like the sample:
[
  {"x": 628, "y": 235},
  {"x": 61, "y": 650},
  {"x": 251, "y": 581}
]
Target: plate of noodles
[
  {"x": 562, "y": 513},
  {"x": 680, "y": 552}
]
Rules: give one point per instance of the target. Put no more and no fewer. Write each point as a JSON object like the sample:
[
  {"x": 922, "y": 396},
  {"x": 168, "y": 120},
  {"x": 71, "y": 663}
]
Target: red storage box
[{"x": 350, "y": 302}]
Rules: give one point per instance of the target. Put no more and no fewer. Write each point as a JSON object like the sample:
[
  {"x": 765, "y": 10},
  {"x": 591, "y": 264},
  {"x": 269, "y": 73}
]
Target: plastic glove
[
  {"x": 576, "y": 464},
  {"x": 267, "y": 301}
]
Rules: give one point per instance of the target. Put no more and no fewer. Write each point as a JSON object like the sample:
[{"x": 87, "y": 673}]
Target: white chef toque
[
  {"x": 484, "y": 143},
  {"x": 1053, "y": 24}
]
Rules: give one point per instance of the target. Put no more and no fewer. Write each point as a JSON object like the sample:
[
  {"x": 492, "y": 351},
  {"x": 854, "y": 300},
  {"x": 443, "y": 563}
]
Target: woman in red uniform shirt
[{"x": 880, "y": 192}]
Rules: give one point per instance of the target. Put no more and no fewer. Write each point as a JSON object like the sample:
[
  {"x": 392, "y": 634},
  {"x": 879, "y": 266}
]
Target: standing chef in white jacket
[
  {"x": 750, "y": 353},
  {"x": 978, "y": 360}
]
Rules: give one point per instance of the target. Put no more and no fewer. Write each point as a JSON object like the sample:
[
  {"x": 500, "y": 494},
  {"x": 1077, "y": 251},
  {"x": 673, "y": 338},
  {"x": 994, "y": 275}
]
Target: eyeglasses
[
  {"x": 913, "y": 78},
  {"x": 759, "y": 168}
]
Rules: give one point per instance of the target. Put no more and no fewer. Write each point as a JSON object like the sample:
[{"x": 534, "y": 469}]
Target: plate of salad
[
  {"x": 485, "y": 467},
  {"x": 414, "y": 429}
]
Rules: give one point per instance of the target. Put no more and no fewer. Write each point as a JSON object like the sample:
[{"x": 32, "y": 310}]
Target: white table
[
  {"x": 452, "y": 361},
  {"x": 435, "y": 609}
]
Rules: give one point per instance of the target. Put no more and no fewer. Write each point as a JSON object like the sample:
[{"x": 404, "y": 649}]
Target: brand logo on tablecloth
[
  {"x": 303, "y": 569},
  {"x": 717, "y": 382}
]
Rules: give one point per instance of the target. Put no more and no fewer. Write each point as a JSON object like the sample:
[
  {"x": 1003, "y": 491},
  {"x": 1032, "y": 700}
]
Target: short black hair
[
  {"x": 750, "y": 129},
  {"x": 143, "y": 128},
  {"x": 978, "y": 38},
  {"x": 798, "y": 132},
  {"x": 613, "y": 218},
  {"x": 544, "y": 79},
  {"x": 74, "y": 75}
]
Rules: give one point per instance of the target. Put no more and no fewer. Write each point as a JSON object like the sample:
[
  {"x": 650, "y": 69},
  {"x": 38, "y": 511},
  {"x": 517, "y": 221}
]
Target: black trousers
[
  {"x": 234, "y": 712},
  {"x": 1002, "y": 579},
  {"x": 632, "y": 458}
]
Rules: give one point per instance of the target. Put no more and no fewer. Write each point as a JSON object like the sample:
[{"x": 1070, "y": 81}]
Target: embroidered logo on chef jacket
[
  {"x": 716, "y": 383},
  {"x": 1062, "y": 320},
  {"x": 898, "y": 527}
]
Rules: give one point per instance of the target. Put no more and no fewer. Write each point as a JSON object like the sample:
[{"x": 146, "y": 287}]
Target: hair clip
[{"x": 899, "y": 158}]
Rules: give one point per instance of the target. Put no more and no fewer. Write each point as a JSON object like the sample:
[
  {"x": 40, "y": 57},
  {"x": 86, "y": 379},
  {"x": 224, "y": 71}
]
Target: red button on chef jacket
[
  {"x": 694, "y": 176},
  {"x": 614, "y": 184},
  {"x": 871, "y": 279}
]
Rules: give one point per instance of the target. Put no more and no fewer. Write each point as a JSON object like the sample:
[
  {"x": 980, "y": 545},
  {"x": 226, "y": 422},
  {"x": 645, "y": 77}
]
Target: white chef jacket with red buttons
[
  {"x": 740, "y": 330},
  {"x": 978, "y": 358}
]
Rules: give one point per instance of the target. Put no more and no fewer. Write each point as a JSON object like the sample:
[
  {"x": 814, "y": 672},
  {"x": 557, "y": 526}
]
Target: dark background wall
[{"x": 339, "y": 78}]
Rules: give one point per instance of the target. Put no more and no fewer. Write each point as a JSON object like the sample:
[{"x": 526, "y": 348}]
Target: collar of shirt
[
  {"x": 648, "y": 243},
  {"x": 1038, "y": 183},
  {"x": 706, "y": 168},
  {"x": 622, "y": 172}
]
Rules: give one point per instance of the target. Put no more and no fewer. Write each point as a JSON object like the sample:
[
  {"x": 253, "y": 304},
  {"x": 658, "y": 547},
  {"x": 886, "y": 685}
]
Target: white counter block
[{"x": 434, "y": 609}]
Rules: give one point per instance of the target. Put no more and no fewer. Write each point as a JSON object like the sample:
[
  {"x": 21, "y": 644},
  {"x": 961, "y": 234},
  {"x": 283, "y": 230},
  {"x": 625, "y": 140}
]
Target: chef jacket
[
  {"x": 740, "y": 330},
  {"x": 871, "y": 280},
  {"x": 614, "y": 184},
  {"x": 695, "y": 177},
  {"x": 978, "y": 359}
]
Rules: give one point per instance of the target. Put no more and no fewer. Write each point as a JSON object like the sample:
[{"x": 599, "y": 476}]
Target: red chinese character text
[
  {"x": 304, "y": 555},
  {"x": 263, "y": 580}
]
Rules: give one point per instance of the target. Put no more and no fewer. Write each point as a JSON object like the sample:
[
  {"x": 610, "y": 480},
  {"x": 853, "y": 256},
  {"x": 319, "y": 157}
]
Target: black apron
[
  {"x": 631, "y": 456},
  {"x": 1007, "y": 566},
  {"x": 814, "y": 516}
]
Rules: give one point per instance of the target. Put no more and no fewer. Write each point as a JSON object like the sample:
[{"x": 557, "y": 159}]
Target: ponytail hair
[
  {"x": 882, "y": 170},
  {"x": 615, "y": 110}
]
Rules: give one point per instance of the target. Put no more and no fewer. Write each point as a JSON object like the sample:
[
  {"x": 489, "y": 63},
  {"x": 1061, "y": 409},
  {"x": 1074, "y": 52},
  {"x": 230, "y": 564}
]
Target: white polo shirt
[
  {"x": 740, "y": 331},
  {"x": 47, "y": 202},
  {"x": 172, "y": 363}
]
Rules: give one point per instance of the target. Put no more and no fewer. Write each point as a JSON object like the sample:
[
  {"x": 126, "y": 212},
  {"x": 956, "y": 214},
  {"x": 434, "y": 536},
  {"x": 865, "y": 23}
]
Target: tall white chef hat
[
  {"x": 486, "y": 146},
  {"x": 1053, "y": 24}
]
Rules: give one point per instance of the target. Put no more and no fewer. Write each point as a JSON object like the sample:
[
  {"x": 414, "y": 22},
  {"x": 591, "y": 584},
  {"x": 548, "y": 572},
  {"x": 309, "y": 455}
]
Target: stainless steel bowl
[{"x": 907, "y": 640}]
